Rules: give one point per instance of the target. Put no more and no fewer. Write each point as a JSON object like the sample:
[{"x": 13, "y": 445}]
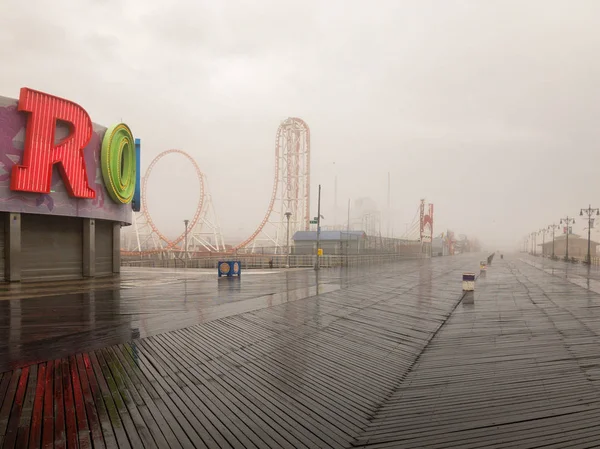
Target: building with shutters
[
  {"x": 578, "y": 247},
  {"x": 337, "y": 243},
  {"x": 331, "y": 242},
  {"x": 65, "y": 190}
]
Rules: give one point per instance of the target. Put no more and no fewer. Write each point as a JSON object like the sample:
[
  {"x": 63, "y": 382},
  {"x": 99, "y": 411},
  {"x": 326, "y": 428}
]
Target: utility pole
[
  {"x": 389, "y": 208},
  {"x": 348, "y": 233},
  {"x": 543, "y": 232},
  {"x": 533, "y": 243},
  {"x": 553, "y": 226},
  {"x": 589, "y": 212},
  {"x": 568, "y": 221},
  {"x": 288, "y": 215},
  {"x": 348, "y": 223},
  {"x": 335, "y": 205},
  {"x": 185, "y": 254},
  {"x": 317, "y": 263}
]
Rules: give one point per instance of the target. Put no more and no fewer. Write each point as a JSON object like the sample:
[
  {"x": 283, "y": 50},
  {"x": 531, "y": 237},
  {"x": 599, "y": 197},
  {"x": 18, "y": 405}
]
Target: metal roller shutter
[
  {"x": 3, "y": 218},
  {"x": 51, "y": 247},
  {"x": 104, "y": 247}
]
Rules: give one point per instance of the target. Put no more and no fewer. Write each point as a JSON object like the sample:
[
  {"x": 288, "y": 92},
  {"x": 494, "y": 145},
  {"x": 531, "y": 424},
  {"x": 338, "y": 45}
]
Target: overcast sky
[{"x": 489, "y": 109}]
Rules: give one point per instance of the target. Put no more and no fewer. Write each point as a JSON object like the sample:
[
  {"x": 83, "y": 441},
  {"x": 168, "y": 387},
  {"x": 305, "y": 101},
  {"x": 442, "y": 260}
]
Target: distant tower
[{"x": 426, "y": 225}]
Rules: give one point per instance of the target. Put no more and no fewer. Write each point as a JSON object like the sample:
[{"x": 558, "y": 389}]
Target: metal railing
[
  {"x": 340, "y": 250},
  {"x": 267, "y": 262},
  {"x": 595, "y": 259}
]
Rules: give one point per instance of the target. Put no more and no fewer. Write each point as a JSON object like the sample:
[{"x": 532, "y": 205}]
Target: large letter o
[{"x": 118, "y": 163}]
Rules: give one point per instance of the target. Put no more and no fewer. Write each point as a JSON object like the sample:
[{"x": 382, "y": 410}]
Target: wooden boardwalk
[
  {"x": 142, "y": 302},
  {"x": 397, "y": 360},
  {"x": 516, "y": 368}
]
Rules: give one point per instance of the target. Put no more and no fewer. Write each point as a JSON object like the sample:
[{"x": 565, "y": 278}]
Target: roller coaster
[{"x": 290, "y": 199}]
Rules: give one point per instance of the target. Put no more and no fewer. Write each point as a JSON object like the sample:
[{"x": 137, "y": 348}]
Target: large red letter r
[{"x": 40, "y": 154}]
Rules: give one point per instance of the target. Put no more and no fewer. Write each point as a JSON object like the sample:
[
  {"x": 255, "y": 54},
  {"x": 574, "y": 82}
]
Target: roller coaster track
[{"x": 276, "y": 180}]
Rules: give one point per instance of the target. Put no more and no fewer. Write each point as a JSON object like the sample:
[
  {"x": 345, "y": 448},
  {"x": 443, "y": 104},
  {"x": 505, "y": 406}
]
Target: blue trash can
[{"x": 229, "y": 268}]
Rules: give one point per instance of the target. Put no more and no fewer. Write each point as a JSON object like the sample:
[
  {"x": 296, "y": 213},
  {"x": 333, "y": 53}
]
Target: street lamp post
[
  {"x": 533, "y": 243},
  {"x": 589, "y": 212},
  {"x": 317, "y": 263},
  {"x": 185, "y": 254},
  {"x": 543, "y": 232},
  {"x": 553, "y": 226},
  {"x": 288, "y": 215},
  {"x": 568, "y": 221}
]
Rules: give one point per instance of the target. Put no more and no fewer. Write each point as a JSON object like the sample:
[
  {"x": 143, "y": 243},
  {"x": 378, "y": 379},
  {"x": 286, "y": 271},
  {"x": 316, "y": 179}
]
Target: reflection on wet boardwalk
[
  {"x": 143, "y": 302},
  {"x": 386, "y": 357}
]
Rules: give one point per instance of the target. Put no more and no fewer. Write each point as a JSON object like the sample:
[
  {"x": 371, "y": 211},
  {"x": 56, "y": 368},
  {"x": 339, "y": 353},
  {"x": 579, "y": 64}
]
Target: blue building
[{"x": 332, "y": 242}]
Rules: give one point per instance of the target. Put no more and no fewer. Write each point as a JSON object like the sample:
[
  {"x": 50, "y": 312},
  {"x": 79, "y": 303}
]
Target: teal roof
[{"x": 328, "y": 235}]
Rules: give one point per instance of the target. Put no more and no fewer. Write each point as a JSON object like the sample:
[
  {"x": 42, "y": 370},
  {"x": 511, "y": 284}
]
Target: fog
[{"x": 488, "y": 109}]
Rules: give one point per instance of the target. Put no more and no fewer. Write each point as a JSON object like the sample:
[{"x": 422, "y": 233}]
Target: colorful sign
[
  {"x": 136, "y": 203},
  {"x": 118, "y": 162},
  {"x": 51, "y": 161},
  {"x": 119, "y": 156},
  {"x": 426, "y": 224}
]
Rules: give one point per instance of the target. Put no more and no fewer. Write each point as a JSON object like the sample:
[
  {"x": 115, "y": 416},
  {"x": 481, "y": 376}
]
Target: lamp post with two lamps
[
  {"x": 589, "y": 212},
  {"x": 543, "y": 232},
  {"x": 554, "y": 227},
  {"x": 567, "y": 221}
]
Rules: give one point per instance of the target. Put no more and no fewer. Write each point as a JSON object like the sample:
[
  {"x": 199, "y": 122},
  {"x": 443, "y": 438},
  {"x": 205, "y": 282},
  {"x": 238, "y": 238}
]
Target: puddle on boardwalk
[{"x": 39, "y": 328}]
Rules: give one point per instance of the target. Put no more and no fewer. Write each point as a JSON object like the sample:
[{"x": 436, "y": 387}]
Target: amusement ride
[{"x": 289, "y": 204}]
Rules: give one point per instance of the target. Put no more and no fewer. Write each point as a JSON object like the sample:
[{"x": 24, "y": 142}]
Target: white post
[{"x": 288, "y": 215}]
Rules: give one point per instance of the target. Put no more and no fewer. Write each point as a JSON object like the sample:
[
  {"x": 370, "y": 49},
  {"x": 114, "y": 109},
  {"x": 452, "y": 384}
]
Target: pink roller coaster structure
[{"x": 289, "y": 206}]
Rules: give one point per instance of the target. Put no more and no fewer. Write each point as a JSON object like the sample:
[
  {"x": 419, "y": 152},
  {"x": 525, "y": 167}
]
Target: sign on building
[{"x": 118, "y": 157}]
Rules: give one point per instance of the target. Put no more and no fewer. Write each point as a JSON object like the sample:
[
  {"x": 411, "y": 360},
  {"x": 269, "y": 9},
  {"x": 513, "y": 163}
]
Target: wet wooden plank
[
  {"x": 261, "y": 425},
  {"x": 27, "y": 410},
  {"x": 189, "y": 428},
  {"x": 85, "y": 406},
  {"x": 37, "y": 414},
  {"x": 48, "y": 408},
  {"x": 69, "y": 407},
  {"x": 16, "y": 409},
  {"x": 109, "y": 417},
  {"x": 213, "y": 417},
  {"x": 82, "y": 429},
  {"x": 4, "y": 382},
  {"x": 130, "y": 415},
  {"x": 156, "y": 406},
  {"x": 108, "y": 432},
  {"x": 60, "y": 431},
  {"x": 142, "y": 416},
  {"x": 7, "y": 405}
]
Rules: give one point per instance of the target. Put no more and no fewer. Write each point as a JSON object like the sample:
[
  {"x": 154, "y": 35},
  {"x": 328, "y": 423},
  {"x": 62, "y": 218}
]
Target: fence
[
  {"x": 583, "y": 260},
  {"x": 259, "y": 261},
  {"x": 337, "y": 248}
]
